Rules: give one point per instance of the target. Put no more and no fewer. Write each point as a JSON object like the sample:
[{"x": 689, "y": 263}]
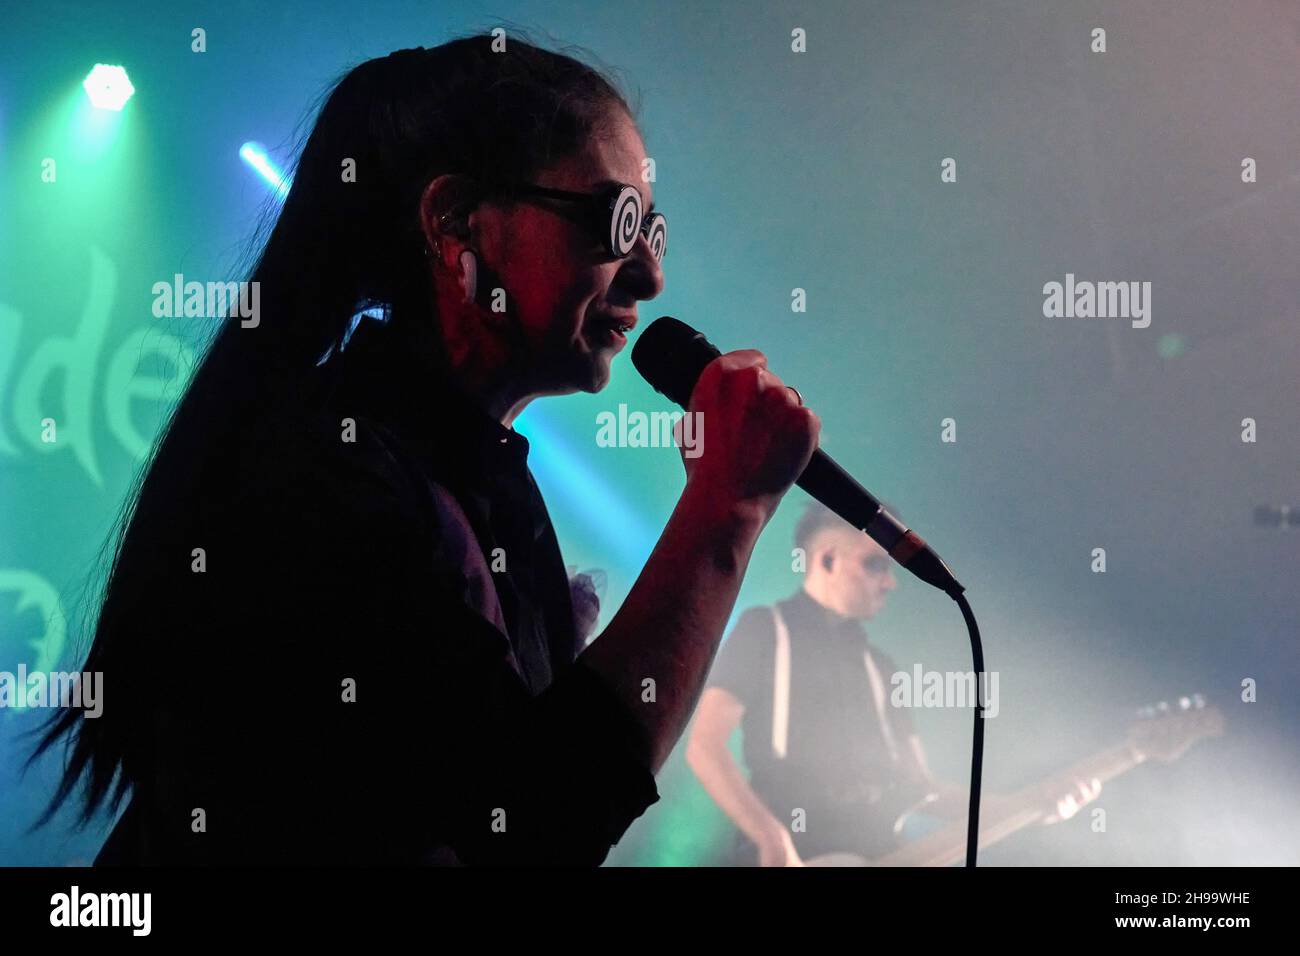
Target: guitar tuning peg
[
  {"x": 1162, "y": 707},
  {"x": 1198, "y": 701},
  {"x": 1184, "y": 703},
  {"x": 1146, "y": 712}
]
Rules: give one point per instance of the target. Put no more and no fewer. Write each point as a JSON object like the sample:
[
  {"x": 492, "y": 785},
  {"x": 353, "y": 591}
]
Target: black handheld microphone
[{"x": 670, "y": 355}]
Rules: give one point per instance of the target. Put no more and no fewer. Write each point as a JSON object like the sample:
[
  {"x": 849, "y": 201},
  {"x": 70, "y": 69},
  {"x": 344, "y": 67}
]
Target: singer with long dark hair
[{"x": 337, "y": 626}]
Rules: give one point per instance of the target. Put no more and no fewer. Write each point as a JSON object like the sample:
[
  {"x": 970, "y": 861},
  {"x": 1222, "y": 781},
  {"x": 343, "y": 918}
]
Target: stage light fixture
[
  {"x": 255, "y": 155},
  {"x": 108, "y": 87}
]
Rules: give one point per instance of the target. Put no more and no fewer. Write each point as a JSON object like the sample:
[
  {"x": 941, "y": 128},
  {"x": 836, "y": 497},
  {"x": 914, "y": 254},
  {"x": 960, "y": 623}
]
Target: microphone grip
[{"x": 834, "y": 487}]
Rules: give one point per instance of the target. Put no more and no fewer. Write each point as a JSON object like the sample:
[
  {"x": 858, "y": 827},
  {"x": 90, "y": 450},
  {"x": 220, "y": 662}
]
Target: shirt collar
[
  {"x": 823, "y": 618},
  {"x": 414, "y": 399},
  {"x": 451, "y": 419}
]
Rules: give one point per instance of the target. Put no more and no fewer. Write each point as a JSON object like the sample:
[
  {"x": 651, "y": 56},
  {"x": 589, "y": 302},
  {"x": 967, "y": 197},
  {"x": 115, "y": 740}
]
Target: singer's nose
[{"x": 641, "y": 275}]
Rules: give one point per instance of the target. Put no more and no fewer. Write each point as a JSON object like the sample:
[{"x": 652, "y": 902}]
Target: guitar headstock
[{"x": 1166, "y": 730}]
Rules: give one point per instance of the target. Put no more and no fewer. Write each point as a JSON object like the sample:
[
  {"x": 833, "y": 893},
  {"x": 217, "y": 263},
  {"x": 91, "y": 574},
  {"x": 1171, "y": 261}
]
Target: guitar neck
[{"x": 1025, "y": 807}]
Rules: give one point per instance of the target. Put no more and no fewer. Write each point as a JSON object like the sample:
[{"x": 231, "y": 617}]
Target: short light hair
[{"x": 817, "y": 516}]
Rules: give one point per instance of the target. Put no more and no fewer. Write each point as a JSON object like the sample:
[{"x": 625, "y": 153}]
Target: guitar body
[
  {"x": 879, "y": 826},
  {"x": 913, "y": 824},
  {"x": 1165, "y": 736}
]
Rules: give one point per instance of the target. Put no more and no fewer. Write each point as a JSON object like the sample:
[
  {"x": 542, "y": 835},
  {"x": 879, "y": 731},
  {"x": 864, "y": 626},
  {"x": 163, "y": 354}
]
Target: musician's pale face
[{"x": 861, "y": 573}]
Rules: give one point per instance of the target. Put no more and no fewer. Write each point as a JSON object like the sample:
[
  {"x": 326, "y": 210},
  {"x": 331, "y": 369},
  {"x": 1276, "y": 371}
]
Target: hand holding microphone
[{"x": 758, "y": 437}]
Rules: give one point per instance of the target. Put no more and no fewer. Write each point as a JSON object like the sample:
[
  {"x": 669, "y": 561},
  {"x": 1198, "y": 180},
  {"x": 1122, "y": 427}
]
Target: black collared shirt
[
  {"x": 377, "y": 663},
  {"x": 842, "y": 765},
  {"x": 454, "y": 443}
]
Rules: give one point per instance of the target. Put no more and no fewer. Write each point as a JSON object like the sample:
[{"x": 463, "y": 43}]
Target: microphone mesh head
[{"x": 670, "y": 355}]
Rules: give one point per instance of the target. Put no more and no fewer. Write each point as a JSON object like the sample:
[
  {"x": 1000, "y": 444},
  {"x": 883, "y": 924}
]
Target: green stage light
[{"x": 108, "y": 87}]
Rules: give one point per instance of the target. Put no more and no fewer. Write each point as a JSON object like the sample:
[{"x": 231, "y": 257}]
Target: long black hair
[{"x": 496, "y": 108}]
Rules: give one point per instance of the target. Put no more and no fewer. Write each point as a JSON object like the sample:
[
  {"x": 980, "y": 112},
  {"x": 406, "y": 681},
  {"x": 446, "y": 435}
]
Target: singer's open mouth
[{"x": 608, "y": 329}]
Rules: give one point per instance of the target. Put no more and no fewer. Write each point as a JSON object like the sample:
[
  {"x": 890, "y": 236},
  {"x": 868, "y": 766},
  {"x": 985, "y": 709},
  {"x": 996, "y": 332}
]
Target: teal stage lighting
[
  {"x": 108, "y": 87},
  {"x": 255, "y": 155}
]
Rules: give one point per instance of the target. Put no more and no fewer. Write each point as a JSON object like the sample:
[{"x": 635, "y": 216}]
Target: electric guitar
[{"x": 1165, "y": 735}]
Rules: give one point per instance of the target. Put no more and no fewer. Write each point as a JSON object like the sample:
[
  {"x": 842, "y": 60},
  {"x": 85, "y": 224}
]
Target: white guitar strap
[
  {"x": 781, "y": 693},
  {"x": 878, "y": 696},
  {"x": 781, "y": 686}
]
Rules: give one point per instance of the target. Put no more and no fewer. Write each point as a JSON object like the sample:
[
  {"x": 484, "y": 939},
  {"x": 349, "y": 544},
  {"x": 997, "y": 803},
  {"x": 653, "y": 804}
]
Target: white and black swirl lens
[
  {"x": 626, "y": 221},
  {"x": 656, "y": 231}
]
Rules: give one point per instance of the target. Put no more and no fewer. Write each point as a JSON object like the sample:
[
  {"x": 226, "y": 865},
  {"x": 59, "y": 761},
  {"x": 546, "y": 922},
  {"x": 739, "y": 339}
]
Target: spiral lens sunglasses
[{"x": 614, "y": 215}]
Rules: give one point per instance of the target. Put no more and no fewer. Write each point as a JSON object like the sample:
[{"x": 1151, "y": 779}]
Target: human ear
[{"x": 445, "y": 205}]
